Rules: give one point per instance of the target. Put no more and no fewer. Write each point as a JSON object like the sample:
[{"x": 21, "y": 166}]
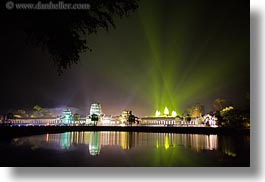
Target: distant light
[
  {"x": 158, "y": 113},
  {"x": 174, "y": 114},
  {"x": 166, "y": 111}
]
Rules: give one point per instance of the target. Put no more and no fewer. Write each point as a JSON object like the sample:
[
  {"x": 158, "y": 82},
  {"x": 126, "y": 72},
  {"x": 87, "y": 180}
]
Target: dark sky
[{"x": 168, "y": 53}]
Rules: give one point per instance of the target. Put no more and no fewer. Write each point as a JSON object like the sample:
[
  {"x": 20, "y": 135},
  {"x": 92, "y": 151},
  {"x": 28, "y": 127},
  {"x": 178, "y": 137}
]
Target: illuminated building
[
  {"x": 166, "y": 111},
  {"x": 158, "y": 113},
  {"x": 88, "y": 120},
  {"x": 162, "y": 120},
  {"x": 124, "y": 116},
  {"x": 174, "y": 119},
  {"x": 97, "y": 118},
  {"x": 95, "y": 112},
  {"x": 210, "y": 120},
  {"x": 110, "y": 120},
  {"x": 173, "y": 114},
  {"x": 77, "y": 118},
  {"x": 67, "y": 118},
  {"x": 95, "y": 109},
  {"x": 34, "y": 121}
]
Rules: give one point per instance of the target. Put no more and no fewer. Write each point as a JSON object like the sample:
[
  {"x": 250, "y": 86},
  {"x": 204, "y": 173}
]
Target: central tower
[{"x": 95, "y": 109}]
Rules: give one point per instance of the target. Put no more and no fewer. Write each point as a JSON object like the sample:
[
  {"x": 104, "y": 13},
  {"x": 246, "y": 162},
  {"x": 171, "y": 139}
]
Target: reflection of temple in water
[
  {"x": 94, "y": 144},
  {"x": 199, "y": 142},
  {"x": 127, "y": 140}
]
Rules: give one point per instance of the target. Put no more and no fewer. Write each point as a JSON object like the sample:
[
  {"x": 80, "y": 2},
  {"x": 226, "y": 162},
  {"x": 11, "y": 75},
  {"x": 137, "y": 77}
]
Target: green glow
[
  {"x": 177, "y": 64},
  {"x": 157, "y": 144},
  {"x": 94, "y": 146},
  {"x": 157, "y": 113},
  {"x": 67, "y": 117},
  {"x": 166, "y": 111},
  {"x": 174, "y": 114},
  {"x": 65, "y": 140},
  {"x": 166, "y": 142}
]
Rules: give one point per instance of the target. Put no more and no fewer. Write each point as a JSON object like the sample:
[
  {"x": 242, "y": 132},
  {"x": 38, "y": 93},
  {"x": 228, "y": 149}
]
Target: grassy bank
[{"x": 15, "y": 131}]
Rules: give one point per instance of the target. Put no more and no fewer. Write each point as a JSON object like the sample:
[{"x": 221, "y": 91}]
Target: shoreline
[{"x": 7, "y": 132}]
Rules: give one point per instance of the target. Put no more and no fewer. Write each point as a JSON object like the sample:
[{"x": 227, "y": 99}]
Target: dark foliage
[
  {"x": 235, "y": 118},
  {"x": 62, "y": 32},
  {"x": 131, "y": 118},
  {"x": 94, "y": 118}
]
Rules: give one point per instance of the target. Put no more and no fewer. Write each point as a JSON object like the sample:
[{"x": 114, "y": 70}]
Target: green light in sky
[
  {"x": 177, "y": 63},
  {"x": 183, "y": 70}
]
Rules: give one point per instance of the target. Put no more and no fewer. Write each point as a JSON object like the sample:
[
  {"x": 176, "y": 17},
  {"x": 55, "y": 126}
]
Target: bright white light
[
  {"x": 166, "y": 111},
  {"x": 157, "y": 113},
  {"x": 174, "y": 114}
]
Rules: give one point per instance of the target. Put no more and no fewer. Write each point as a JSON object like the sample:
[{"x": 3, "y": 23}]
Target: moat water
[{"x": 126, "y": 149}]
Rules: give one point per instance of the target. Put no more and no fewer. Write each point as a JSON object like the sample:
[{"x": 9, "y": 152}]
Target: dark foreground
[{"x": 15, "y": 131}]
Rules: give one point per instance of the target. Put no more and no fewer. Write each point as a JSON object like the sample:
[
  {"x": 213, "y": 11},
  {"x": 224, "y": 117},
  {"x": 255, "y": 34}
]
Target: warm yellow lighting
[
  {"x": 174, "y": 114},
  {"x": 166, "y": 144},
  {"x": 157, "y": 113},
  {"x": 157, "y": 145},
  {"x": 228, "y": 108},
  {"x": 166, "y": 111},
  {"x": 17, "y": 116},
  {"x": 47, "y": 137}
]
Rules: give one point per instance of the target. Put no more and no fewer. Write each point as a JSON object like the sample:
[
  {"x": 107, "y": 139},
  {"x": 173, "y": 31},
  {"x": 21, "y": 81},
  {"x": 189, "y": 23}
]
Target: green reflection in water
[
  {"x": 94, "y": 146},
  {"x": 146, "y": 149},
  {"x": 65, "y": 140}
]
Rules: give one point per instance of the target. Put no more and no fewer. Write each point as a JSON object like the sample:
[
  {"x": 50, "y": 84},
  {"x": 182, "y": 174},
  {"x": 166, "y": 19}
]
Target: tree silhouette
[
  {"x": 188, "y": 118},
  {"x": 219, "y": 104},
  {"x": 195, "y": 110},
  {"x": 37, "y": 108},
  {"x": 131, "y": 118},
  {"x": 62, "y": 32},
  {"x": 10, "y": 116},
  {"x": 94, "y": 118}
]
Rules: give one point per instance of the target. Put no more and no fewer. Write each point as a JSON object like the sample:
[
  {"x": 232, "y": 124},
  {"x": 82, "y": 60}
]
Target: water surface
[{"x": 126, "y": 149}]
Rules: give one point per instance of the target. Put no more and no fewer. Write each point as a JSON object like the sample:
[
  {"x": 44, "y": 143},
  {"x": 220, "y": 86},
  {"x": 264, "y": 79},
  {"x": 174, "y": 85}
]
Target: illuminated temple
[{"x": 97, "y": 118}]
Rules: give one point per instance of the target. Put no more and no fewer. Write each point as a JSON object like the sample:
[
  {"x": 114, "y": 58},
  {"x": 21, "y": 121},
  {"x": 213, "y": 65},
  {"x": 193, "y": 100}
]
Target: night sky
[{"x": 168, "y": 53}]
